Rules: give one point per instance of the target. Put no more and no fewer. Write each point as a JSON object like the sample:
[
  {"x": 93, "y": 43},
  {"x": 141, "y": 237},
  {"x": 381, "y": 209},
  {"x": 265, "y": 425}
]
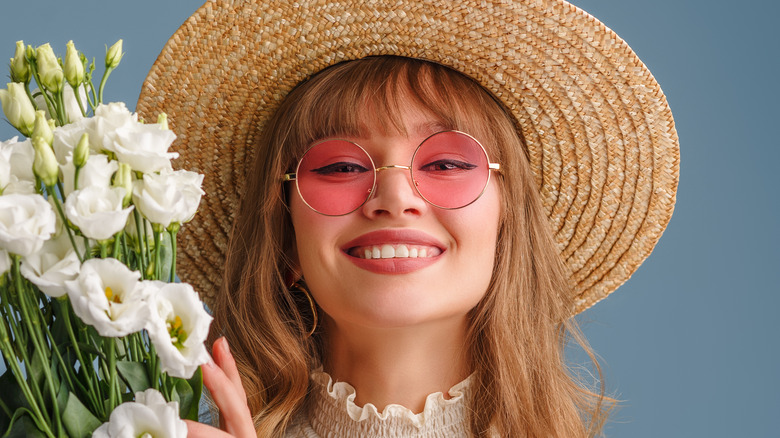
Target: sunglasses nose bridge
[
  {"x": 393, "y": 166},
  {"x": 379, "y": 169}
]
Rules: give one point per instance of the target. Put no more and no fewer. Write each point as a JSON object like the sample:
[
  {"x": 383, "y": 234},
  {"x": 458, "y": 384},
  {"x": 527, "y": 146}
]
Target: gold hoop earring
[{"x": 300, "y": 286}]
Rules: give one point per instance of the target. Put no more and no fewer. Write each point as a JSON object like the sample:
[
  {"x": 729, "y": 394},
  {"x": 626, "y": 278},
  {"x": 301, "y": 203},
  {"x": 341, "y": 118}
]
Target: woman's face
[{"x": 459, "y": 245}]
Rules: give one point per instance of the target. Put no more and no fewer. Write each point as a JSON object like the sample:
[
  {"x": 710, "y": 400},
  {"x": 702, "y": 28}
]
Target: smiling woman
[{"x": 413, "y": 222}]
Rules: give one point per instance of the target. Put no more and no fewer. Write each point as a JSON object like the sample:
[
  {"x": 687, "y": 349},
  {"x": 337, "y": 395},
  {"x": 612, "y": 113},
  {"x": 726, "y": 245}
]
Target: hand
[{"x": 224, "y": 383}]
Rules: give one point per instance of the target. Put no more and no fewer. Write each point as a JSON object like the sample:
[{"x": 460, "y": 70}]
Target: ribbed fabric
[{"x": 333, "y": 413}]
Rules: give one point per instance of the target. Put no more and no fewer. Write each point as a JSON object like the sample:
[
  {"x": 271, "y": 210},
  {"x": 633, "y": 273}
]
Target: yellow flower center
[
  {"x": 178, "y": 335},
  {"x": 111, "y": 297}
]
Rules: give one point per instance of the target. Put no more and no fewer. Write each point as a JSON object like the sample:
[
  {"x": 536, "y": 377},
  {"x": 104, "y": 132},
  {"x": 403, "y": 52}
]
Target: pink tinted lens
[
  {"x": 450, "y": 169},
  {"x": 335, "y": 177}
]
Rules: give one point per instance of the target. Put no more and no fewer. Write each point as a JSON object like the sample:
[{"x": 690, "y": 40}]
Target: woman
[{"x": 391, "y": 270}]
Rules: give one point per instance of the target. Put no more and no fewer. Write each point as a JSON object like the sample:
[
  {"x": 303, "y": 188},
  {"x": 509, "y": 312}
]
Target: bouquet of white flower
[{"x": 90, "y": 316}]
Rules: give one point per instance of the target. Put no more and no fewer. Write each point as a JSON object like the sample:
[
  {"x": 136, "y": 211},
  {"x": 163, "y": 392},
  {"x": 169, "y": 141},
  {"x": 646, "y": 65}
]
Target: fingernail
[
  {"x": 225, "y": 345},
  {"x": 210, "y": 363}
]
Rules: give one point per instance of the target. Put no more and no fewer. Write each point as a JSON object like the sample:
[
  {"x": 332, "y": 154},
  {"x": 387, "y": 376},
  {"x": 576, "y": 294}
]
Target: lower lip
[{"x": 393, "y": 266}]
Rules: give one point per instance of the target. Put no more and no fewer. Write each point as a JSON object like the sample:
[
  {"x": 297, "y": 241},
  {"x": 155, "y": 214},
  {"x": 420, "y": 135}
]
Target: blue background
[{"x": 690, "y": 342}]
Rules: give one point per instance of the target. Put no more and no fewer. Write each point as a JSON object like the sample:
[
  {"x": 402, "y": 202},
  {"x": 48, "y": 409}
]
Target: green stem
[
  {"x": 141, "y": 238},
  {"x": 46, "y": 98},
  {"x": 35, "y": 335},
  {"x": 103, "y": 248},
  {"x": 173, "y": 232},
  {"x": 125, "y": 252},
  {"x": 30, "y": 96},
  {"x": 62, "y": 116},
  {"x": 66, "y": 370},
  {"x": 113, "y": 396},
  {"x": 115, "y": 250},
  {"x": 157, "y": 247},
  {"x": 5, "y": 347},
  {"x": 76, "y": 178},
  {"x": 58, "y": 205},
  {"x": 78, "y": 99},
  {"x": 92, "y": 100},
  {"x": 103, "y": 84},
  {"x": 89, "y": 372}
]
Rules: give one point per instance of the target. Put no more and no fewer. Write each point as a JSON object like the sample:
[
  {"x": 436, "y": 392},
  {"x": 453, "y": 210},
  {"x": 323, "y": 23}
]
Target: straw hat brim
[{"x": 600, "y": 135}]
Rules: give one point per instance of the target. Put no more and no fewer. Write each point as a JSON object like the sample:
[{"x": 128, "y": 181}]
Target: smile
[{"x": 395, "y": 251}]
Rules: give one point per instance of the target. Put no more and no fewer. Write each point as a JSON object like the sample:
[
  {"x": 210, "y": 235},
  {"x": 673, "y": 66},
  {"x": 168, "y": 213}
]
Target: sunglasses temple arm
[{"x": 288, "y": 177}]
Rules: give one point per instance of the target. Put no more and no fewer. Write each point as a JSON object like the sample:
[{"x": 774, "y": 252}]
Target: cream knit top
[{"x": 334, "y": 414}]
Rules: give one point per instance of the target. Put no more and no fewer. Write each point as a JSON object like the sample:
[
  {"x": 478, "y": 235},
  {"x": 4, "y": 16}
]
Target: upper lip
[{"x": 394, "y": 237}]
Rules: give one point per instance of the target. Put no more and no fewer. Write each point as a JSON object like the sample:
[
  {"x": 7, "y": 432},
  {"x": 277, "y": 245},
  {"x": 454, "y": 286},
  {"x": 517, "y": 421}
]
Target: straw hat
[{"x": 600, "y": 135}]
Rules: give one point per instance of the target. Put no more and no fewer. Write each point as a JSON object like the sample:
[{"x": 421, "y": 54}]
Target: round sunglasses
[{"x": 449, "y": 170}]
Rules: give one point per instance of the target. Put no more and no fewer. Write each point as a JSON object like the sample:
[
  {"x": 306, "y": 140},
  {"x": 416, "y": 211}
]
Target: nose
[{"x": 394, "y": 194}]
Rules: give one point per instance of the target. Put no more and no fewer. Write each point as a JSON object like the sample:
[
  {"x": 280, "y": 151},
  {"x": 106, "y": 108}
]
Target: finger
[
  {"x": 234, "y": 413},
  {"x": 198, "y": 430},
  {"x": 224, "y": 359}
]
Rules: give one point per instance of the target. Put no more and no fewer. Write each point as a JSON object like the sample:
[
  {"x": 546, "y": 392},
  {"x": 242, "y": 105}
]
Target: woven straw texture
[{"x": 600, "y": 134}]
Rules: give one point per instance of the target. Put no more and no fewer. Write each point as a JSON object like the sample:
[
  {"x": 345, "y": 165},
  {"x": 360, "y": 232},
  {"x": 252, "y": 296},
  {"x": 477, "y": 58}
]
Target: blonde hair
[{"x": 518, "y": 331}]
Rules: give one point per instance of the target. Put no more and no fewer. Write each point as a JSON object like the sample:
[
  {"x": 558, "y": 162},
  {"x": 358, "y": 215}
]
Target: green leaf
[
  {"x": 183, "y": 393},
  {"x": 166, "y": 256},
  {"x": 196, "y": 383},
  {"x": 78, "y": 420},
  {"x": 11, "y": 396},
  {"x": 134, "y": 374},
  {"x": 23, "y": 426}
]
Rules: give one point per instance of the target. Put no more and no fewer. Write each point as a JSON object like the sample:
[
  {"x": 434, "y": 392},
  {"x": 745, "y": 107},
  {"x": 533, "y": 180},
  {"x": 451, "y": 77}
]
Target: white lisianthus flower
[
  {"x": 22, "y": 160},
  {"x": 5, "y": 162},
  {"x": 97, "y": 211},
  {"x": 56, "y": 263},
  {"x": 147, "y": 417},
  {"x": 144, "y": 147},
  {"x": 26, "y": 221},
  {"x": 107, "y": 295},
  {"x": 168, "y": 197},
  {"x": 97, "y": 171},
  {"x": 178, "y": 327},
  {"x": 5, "y": 262},
  {"x": 108, "y": 118},
  {"x": 17, "y": 108},
  {"x": 67, "y": 137},
  {"x": 16, "y": 167}
]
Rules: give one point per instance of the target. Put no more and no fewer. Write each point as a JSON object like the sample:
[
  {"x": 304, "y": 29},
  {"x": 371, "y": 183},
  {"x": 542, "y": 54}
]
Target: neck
[{"x": 398, "y": 365}]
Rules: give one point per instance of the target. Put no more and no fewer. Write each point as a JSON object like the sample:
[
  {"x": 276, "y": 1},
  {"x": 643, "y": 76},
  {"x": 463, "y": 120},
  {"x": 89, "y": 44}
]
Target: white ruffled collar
[{"x": 333, "y": 413}]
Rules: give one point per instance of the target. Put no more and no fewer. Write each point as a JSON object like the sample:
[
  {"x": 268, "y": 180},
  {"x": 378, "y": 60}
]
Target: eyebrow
[{"x": 430, "y": 128}]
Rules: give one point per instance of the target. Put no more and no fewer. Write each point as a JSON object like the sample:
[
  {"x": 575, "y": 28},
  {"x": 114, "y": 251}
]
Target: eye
[
  {"x": 447, "y": 165},
  {"x": 342, "y": 167}
]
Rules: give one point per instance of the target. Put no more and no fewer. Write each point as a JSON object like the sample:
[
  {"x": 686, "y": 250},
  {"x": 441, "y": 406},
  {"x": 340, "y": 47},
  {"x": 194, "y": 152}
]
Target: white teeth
[{"x": 388, "y": 251}]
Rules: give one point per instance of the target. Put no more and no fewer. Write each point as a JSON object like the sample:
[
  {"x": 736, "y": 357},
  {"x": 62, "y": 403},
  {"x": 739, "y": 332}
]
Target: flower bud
[
  {"x": 74, "y": 68},
  {"x": 29, "y": 52},
  {"x": 123, "y": 178},
  {"x": 42, "y": 129},
  {"x": 45, "y": 163},
  {"x": 20, "y": 69},
  {"x": 81, "y": 152},
  {"x": 49, "y": 70},
  {"x": 114, "y": 54},
  {"x": 17, "y": 108},
  {"x": 162, "y": 120}
]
